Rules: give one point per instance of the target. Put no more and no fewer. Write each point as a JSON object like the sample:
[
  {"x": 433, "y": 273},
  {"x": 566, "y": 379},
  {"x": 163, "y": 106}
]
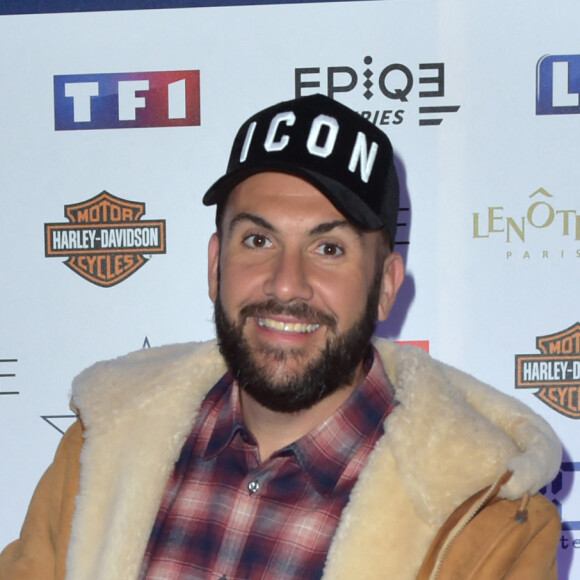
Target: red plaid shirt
[{"x": 226, "y": 515}]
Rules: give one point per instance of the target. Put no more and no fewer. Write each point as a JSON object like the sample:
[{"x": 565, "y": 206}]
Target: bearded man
[{"x": 295, "y": 446}]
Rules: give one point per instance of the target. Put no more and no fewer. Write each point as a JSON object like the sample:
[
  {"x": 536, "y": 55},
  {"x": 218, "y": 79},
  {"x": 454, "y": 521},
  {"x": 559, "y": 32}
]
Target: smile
[{"x": 295, "y": 327}]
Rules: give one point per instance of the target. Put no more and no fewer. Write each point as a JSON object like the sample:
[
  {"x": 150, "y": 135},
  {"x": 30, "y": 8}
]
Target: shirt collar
[
  {"x": 324, "y": 452},
  {"x": 229, "y": 419}
]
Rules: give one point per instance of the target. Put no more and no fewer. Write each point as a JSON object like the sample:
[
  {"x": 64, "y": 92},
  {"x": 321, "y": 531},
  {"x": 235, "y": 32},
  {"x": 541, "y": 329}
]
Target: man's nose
[{"x": 289, "y": 278}]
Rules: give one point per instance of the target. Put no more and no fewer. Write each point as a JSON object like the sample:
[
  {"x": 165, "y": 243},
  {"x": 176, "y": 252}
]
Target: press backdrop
[{"x": 113, "y": 123}]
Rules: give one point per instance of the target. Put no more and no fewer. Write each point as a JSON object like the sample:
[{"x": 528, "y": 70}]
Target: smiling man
[
  {"x": 297, "y": 291},
  {"x": 295, "y": 446}
]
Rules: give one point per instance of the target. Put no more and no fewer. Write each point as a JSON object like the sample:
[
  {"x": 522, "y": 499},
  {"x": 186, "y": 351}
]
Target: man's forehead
[
  {"x": 306, "y": 211},
  {"x": 276, "y": 192}
]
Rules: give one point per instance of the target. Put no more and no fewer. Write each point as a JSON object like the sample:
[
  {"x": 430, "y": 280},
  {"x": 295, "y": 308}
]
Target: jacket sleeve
[
  {"x": 40, "y": 552},
  {"x": 505, "y": 541}
]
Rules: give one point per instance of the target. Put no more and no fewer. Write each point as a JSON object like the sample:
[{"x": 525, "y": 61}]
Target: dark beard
[{"x": 332, "y": 369}]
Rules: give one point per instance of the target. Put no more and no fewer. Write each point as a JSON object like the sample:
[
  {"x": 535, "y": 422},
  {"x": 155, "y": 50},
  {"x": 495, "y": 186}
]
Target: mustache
[{"x": 294, "y": 309}]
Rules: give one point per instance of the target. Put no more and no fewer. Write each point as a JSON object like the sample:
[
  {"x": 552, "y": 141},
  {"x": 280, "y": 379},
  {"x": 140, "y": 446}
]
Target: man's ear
[
  {"x": 393, "y": 275},
  {"x": 213, "y": 256}
]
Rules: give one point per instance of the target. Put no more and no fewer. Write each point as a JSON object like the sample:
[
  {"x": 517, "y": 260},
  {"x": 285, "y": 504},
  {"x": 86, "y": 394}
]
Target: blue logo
[
  {"x": 559, "y": 490},
  {"x": 558, "y": 85}
]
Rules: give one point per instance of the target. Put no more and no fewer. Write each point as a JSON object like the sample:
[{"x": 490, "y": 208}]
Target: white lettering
[
  {"x": 527, "y": 371},
  {"x": 176, "y": 100},
  {"x": 81, "y": 94},
  {"x": 89, "y": 238},
  {"x": 129, "y": 102},
  {"x": 129, "y": 237},
  {"x": 73, "y": 239},
  {"x": 247, "y": 141},
  {"x": 56, "y": 240},
  {"x": 361, "y": 154},
  {"x": 289, "y": 118},
  {"x": 325, "y": 149},
  {"x": 561, "y": 96},
  {"x": 550, "y": 371}
]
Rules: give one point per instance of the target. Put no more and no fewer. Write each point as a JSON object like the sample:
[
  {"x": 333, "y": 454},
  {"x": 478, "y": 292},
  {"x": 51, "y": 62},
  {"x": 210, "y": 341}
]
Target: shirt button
[{"x": 253, "y": 486}]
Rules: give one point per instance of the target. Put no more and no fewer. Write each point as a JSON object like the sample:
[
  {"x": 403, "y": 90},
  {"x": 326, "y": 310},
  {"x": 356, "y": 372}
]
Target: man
[{"x": 297, "y": 448}]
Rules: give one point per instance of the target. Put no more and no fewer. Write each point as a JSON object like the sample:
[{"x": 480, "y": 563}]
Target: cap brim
[{"x": 344, "y": 199}]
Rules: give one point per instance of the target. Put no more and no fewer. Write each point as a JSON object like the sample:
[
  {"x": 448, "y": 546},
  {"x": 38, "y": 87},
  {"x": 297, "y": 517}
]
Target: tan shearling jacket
[{"x": 435, "y": 501}]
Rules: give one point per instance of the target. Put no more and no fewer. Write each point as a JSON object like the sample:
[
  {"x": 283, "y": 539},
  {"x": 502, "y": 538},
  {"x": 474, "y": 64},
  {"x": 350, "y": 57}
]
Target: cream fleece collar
[{"x": 450, "y": 436}]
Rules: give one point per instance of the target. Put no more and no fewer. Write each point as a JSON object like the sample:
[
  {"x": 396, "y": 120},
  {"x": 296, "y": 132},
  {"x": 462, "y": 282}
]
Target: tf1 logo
[
  {"x": 126, "y": 100},
  {"x": 558, "y": 85}
]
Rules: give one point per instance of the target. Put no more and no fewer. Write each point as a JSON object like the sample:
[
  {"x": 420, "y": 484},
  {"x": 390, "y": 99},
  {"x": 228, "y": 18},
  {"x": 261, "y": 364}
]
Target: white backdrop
[{"x": 491, "y": 214}]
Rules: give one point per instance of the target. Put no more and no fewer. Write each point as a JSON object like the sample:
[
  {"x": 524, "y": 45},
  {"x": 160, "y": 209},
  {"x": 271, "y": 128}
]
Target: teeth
[{"x": 287, "y": 326}]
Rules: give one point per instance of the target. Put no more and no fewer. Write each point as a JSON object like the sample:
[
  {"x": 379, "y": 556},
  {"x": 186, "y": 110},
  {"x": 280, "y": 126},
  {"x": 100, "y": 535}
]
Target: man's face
[{"x": 297, "y": 290}]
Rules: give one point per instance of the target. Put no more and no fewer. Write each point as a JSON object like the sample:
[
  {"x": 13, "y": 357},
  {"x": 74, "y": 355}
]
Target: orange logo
[
  {"x": 105, "y": 240},
  {"x": 556, "y": 371}
]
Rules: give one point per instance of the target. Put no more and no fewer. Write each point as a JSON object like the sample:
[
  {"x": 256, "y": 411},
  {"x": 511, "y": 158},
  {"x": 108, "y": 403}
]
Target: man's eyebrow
[
  {"x": 325, "y": 227},
  {"x": 251, "y": 217}
]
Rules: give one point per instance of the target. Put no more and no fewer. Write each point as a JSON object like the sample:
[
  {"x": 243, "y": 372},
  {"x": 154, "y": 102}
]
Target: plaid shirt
[{"x": 227, "y": 515}]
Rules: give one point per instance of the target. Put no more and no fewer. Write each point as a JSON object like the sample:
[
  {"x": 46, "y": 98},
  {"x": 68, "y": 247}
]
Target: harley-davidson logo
[
  {"x": 555, "y": 372},
  {"x": 105, "y": 240}
]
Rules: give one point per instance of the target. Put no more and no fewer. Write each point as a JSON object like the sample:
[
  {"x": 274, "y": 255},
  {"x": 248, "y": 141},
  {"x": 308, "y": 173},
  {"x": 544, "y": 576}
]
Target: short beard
[{"x": 332, "y": 369}]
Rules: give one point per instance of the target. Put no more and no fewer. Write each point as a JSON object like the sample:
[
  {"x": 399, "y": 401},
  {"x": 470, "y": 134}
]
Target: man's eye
[
  {"x": 328, "y": 249},
  {"x": 257, "y": 241}
]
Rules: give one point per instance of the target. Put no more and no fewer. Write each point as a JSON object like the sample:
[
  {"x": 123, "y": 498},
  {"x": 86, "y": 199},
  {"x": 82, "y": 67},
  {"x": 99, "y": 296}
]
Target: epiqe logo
[
  {"x": 126, "y": 100},
  {"x": 558, "y": 85},
  {"x": 105, "y": 240},
  {"x": 387, "y": 88},
  {"x": 555, "y": 372}
]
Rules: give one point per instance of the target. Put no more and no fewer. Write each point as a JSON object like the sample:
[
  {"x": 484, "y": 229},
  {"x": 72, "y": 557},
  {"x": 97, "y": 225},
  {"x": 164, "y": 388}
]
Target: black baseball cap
[{"x": 334, "y": 148}]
